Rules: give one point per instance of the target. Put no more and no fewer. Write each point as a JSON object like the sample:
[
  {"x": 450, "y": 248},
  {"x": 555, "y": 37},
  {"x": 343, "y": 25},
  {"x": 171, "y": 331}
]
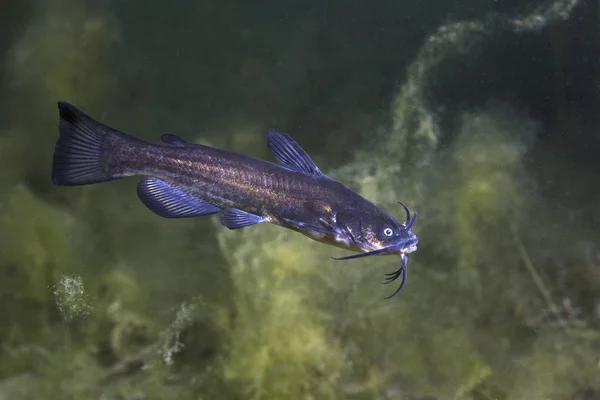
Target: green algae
[
  {"x": 279, "y": 346},
  {"x": 34, "y": 247},
  {"x": 114, "y": 303},
  {"x": 64, "y": 44},
  {"x": 486, "y": 190},
  {"x": 71, "y": 298}
]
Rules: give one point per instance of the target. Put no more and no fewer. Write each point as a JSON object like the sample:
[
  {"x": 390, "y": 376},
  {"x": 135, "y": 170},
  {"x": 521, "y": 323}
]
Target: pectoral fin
[
  {"x": 351, "y": 222},
  {"x": 304, "y": 226},
  {"x": 169, "y": 201}
]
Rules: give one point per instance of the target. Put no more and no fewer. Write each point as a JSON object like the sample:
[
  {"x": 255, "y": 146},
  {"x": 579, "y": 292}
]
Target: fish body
[{"x": 184, "y": 180}]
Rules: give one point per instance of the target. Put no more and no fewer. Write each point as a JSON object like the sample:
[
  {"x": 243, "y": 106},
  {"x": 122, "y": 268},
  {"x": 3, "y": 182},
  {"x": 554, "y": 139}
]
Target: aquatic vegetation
[
  {"x": 71, "y": 298},
  {"x": 116, "y": 303},
  {"x": 566, "y": 357},
  {"x": 487, "y": 182},
  {"x": 35, "y": 250},
  {"x": 278, "y": 345},
  {"x": 63, "y": 46},
  {"x": 262, "y": 264},
  {"x": 416, "y": 116}
]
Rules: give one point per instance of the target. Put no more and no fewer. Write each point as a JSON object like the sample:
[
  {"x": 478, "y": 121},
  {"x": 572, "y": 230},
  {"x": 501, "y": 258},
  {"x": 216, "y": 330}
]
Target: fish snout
[{"x": 409, "y": 244}]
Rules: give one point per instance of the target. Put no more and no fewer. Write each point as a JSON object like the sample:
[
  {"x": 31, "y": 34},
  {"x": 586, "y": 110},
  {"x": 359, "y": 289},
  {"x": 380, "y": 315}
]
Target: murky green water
[{"x": 482, "y": 117}]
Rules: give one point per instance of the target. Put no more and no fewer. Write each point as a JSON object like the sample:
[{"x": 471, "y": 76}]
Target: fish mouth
[
  {"x": 401, "y": 273},
  {"x": 403, "y": 247},
  {"x": 389, "y": 250},
  {"x": 409, "y": 249}
]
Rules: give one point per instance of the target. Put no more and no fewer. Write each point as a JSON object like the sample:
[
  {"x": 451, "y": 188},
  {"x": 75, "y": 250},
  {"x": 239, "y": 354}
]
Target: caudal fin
[{"x": 85, "y": 151}]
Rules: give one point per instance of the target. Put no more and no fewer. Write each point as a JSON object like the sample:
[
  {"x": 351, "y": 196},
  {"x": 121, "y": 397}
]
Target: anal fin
[
  {"x": 233, "y": 218},
  {"x": 169, "y": 201}
]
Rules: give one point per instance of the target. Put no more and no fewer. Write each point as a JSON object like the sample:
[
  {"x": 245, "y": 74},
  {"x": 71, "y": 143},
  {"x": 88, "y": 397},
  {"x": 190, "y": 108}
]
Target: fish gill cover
[{"x": 115, "y": 304}]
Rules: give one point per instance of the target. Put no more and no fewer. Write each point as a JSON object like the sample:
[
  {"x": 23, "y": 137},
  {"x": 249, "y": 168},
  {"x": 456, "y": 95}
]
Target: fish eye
[{"x": 388, "y": 232}]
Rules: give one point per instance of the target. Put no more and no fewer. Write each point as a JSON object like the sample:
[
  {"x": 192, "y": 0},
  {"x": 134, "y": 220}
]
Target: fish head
[{"x": 376, "y": 230}]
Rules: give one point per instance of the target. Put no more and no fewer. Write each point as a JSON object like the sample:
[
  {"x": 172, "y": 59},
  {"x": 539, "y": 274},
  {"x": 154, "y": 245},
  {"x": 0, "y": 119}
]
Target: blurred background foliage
[{"x": 480, "y": 115}]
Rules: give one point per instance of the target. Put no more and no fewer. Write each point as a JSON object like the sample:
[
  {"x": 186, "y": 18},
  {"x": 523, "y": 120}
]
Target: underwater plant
[{"x": 105, "y": 300}]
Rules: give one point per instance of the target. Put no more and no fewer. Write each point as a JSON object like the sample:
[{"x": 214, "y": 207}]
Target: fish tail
[{"x": 88, "y": 151}]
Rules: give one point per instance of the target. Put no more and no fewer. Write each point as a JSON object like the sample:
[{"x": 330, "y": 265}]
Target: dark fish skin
[
  {"x": 191, "y": 180},
  {"x": 231, "y": 180}
]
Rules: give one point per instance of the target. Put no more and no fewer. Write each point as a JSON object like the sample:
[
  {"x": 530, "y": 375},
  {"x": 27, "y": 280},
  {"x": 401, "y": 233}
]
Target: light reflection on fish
[{"x": 184, "y": 180}]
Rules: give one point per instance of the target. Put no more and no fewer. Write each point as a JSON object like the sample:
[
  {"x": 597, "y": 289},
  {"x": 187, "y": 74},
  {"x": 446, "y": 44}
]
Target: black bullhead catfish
[{"x": 185, "y": 180}]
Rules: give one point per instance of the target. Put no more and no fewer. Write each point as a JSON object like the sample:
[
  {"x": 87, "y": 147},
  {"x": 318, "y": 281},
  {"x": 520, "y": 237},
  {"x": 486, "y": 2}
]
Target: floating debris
[{"x": 71, "y": 299}]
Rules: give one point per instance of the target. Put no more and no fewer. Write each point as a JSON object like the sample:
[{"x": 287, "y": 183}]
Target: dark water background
[{"x": 480, "y": 115}]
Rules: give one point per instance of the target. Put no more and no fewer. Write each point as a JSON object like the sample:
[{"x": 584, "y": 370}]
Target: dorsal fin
[
  {"x": 175, "y": 140},
  {"x": 290, "y": 154}
]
